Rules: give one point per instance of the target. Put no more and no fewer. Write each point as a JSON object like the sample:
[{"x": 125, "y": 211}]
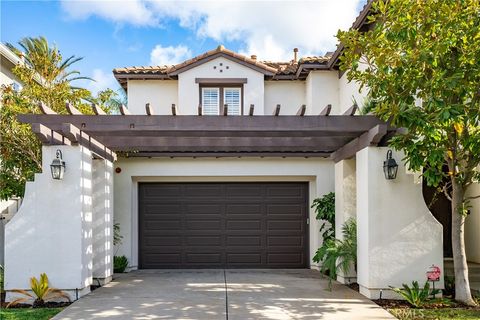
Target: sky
[{"x": 111, "y": 33}]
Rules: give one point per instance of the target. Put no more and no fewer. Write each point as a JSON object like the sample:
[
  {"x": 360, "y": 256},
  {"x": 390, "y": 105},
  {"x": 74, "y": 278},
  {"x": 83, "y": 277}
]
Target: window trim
[{"x": 221, "y": 87}]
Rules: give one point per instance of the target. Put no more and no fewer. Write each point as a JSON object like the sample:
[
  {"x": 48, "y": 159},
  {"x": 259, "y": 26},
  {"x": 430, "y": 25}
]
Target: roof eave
[{"x": 265, "y": 70}]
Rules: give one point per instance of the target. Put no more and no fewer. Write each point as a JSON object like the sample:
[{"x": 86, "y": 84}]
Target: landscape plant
[
  {"x": 336, "y": 254},
  {"x": 415, "y": 295},
  {"x": 420, "y": 61},
  {"x": 41, "y": 292},
  {"x": 120, "y": 263},
  {"x": 325, "y": 209}
]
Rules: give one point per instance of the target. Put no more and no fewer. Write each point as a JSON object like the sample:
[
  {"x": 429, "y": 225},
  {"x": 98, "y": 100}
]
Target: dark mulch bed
[
  {"x": 433, "y": 304},
  {"x": 354, "y": 286},
  {"x": 49, "y": 304}
]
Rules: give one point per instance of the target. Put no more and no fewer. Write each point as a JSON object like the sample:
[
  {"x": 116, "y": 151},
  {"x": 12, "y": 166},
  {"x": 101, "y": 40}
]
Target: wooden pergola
[{"x": 336, "y": 136}]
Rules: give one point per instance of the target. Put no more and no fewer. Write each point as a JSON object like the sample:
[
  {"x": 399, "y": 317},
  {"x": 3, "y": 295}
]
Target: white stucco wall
[
  {"x": 472, "y": 225},
  {"x": 289, "y": 94},
  {"x": 102, "y": 194},
  {"x": 188, "y": 90},
  {"x": 321, "y": 89},
  {"x": 52, "y": 231},
  {"x": 161, "y": 94},
  {"x": 348, "y": 93},
  {"x": 398, "y": 237},
  {"x": 318, "y": 172},
  {"x": 345, "y": 205},
  {"x": 6, "y": 75}
]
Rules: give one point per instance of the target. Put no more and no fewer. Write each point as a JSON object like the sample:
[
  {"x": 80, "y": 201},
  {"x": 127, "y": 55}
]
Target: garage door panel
[
  {"x": 248, "y": 190},
  {"x": 163, "y": 225},
  {"x": 154, "y": 240},
  {"x": 244, "y": 259},
  {"x": 223, "y": 225},
  {"x": 286, "y": 190},
  {"x": 244, "y": 225},
  {"x": 203, "y": 258},
  {"x": 239, "y": 209},
  {"x": 244, "y": 241},
  {"x": 285, "y": 225},
  {"x": 203, "y": 241},
  {"x": 294, "y": 210},
  {"x": 203, "y": 191},
  {"x": 161, "y": 209},
  {"x": 283, "y": 241},
  {"x": 203, "y": 208},
  {"x": 163, "y": 258}
]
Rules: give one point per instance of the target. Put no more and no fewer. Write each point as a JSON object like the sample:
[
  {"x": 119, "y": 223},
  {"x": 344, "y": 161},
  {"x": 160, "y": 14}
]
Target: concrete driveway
[{"x": 223, "y": 294}]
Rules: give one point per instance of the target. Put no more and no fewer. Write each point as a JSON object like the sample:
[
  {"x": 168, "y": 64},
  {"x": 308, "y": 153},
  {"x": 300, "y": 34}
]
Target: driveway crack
[{"x": 226, "y": 294}]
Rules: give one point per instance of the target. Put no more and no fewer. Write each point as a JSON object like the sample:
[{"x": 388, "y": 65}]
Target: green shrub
[
  {"x": 415, "y": 295},
  {"x": 337, "y": 254},
  {"x": 325, "y": 209},
  {"x": 120, "y": 263}
]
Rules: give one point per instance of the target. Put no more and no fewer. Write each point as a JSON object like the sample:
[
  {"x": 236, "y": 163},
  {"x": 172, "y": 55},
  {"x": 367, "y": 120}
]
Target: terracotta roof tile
[{"x": 275, "y": 67}]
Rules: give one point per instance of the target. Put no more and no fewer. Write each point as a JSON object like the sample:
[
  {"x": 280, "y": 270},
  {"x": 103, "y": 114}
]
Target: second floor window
[{"x": 214, "y": 98}]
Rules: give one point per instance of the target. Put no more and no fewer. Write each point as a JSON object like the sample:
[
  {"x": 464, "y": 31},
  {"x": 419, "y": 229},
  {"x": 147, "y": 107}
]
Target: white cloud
[
  {"x": 126, "y": 11},
  {"x": 169, "y": 55},
  {"x": 269, "y": 29},
  {"x": 102, "y": 81}
]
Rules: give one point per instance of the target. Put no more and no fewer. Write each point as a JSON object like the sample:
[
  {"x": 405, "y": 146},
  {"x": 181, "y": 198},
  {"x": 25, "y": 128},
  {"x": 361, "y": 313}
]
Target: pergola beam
[
  {"x": 204, "y": 143},
  {"x": 47, "y": 136},
  {"x": 184, "y": 124},
  {"x": 370, "y": 138},
  {"x": 229, "y": 154}
]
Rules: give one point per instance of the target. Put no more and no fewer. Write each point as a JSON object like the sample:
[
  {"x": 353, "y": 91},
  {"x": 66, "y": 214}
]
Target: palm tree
[
  {"x": 47, "y": 77},
  {"x": 48, "y": 63}
]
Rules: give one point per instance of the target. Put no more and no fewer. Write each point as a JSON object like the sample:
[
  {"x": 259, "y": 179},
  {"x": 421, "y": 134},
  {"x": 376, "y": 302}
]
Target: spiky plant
[{"x": 42, "y": 292}]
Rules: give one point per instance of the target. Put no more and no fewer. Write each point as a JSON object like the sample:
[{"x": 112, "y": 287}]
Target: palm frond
[{"x": 16, "y": 301}]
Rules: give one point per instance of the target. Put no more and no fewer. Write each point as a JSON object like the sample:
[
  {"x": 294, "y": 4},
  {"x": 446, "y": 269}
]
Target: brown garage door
[{"x": 223, "y": 225}]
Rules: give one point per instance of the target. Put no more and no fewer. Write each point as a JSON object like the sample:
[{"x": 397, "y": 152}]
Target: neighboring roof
[
  {"x": 8, "y": 54},
  {"x": 360, "y": 24}
]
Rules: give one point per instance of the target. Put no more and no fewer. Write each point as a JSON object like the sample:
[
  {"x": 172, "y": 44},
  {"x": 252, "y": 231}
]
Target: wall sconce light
[
  {"x": 58, "y": 166},
  {"x": 390, "y": 167}
]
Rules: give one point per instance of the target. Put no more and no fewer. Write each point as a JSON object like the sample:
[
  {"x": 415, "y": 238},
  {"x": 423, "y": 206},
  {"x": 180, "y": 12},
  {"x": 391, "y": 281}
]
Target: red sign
[{"x": 434, "y": 273}]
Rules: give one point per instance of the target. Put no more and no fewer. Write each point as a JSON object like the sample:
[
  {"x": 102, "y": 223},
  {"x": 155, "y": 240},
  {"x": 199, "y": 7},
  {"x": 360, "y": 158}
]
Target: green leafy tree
[
  {"x": 20, "y": 151},
  {"x": 421, "y": 63}
]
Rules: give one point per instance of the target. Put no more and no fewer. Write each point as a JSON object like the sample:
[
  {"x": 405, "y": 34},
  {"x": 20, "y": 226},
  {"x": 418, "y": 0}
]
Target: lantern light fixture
[
  {"x": 58, "y": 166},
  {"x": 390, "y": 167}
]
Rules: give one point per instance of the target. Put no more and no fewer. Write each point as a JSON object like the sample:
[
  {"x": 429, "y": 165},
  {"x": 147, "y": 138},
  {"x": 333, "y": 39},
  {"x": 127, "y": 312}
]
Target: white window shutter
[
  {"x": 210, "y": 101},
  {"x": 232, "y": 97}
]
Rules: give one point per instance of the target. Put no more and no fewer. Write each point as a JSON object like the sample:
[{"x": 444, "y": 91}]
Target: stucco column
[
  {"x": 52, "y": 231},
  {"x": 102, "y": 194},
  {"x": 345, "y": 204},
  {"x": 398, "y": 237},
  {"x": 472, "y": 225}
]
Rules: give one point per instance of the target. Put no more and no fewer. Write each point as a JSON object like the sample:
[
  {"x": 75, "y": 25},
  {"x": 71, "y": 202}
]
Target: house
[
  {"x": 8, "y": 60},
  {"x": 214, "y": 164}
]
